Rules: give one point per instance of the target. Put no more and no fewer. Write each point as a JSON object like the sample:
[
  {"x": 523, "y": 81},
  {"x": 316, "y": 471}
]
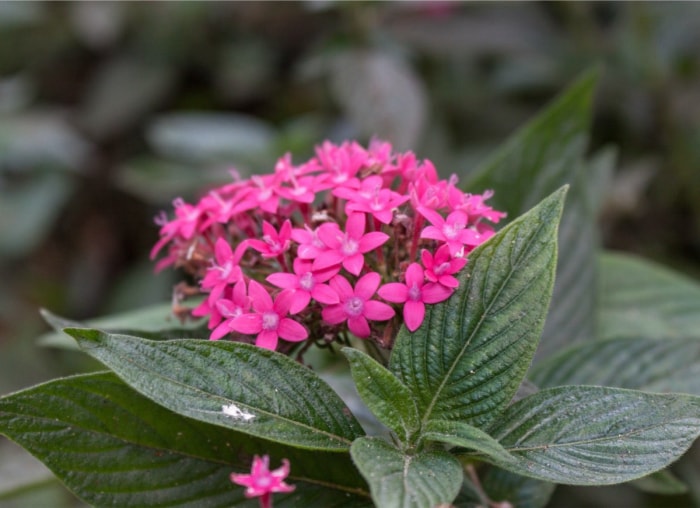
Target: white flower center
[
  {"x": 349, "y": 246},
  {"x": 442, "y": 268},
  {"x": 414, "y": 293},
  {"x": 306, "y": 281},
  {"x": 354, "y": 306},
  {"x": 270, "y": 320}
]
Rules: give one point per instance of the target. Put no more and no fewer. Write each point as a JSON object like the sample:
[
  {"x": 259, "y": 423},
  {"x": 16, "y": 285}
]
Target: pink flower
[
  {"x": 439, "y": 268},
  {"x": 305, "y": 284},
  {"x": 225, "y": 269},
  {"x": 273, "y": 243},
  {"x": 372, "y": 198},
  {"x": 261, "y": 482},
  {"x": 230, "y": 309},
  {"x": 356, "y": 305},
  {"x": 310, "y": 244},
  {"x": 347, "y": 248},
  {"x": 414, "y": 294},
  {"x": 453, "y": 230},
  {"x": 185, "y": 224},
  {"x": 269, "y": 320}
]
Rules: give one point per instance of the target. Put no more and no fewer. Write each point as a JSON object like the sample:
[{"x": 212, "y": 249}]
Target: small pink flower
[
  {"x": 230, "y": 309},
  {"x": 273, "y": 243},
  {"x": 261, "y": 482},
  {"x": 185, "y": 224},
  {"x": 414, "y": 294},
  {"x": 269, "y": 320},
  {"x": 310, "y": 245},
  {"x": 225, "y": 270},
  {"x": 372, "y": 198},
  {"x": 305, "y": 284},
  {"x": 347, "y": 248},
  {"x": 441, "y": 267},
  {"x": 453, "y": 230},
  {"x": 356, "y": 305}
]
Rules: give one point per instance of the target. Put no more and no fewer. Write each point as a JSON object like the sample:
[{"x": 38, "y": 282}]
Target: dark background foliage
[{"x": 108, "y": 111}]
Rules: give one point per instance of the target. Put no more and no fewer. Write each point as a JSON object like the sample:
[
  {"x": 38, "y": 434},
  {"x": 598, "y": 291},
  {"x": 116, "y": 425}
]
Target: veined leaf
[
  {"x": 640, "y": 299},
  {"x": 520, "y": 491},
  {"x": 239, "y": 386},
  {"x": 461, "y": 434},
  {"x": 537, "y": 159},
  {"x": 386, "y": 397},
  {"x": 467, "y": 360},
  {"x": 396, "y": 480},
  {"x": 670, "y": 365},
  {"x": 114, "y": 447},
  {"x": 588, "y": 435},
  {"x": 154, "y": 322}
]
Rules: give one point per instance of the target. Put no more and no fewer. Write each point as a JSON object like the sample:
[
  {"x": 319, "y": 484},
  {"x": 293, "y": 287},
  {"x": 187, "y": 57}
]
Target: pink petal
[
  {"x": 355, "y": 225},
  {"x": 372, "y": 240},
  {"x": 342, "y": 287},
  {"x": 413, "y": 314},
  {"x": 269, "y": 230},
  {"x": 470, "y": 237},
  {"x": 223, "y": 251},
  {"x": 432, "y": 233},
  {"x": 377, "y": 311},
  {"x": 432, "y": 216},
  {"x": 359, "y": 327},
  {"x": 448, "y": 281},
  {"x": 283, "y": 302},
  {"x": 262, "y": 301},
  {"x": 394, "y": 292},
  {"x": 220, "y": 331},
  {"x": 414, "y": 275},
  {"x": 247, "y": 323},
  {"x": 267, "y": 340},
  {"x": 300, "y": 300},
  {"x": 427, "y": 258},
  {"x": 239, "y": 294},
  {"x": 323, "y": 293},
  {"x": 367, "y": 285},
  {"x": 334, "y": 314},
  {"x": 330, "y": 234},
  {"x": 283, "y": 280},
  {"x": 301, "y": 266},
  {"x": 354, "y": 263},
  {"x": 327, "y": 259},
  {"x": 434, "y": 293},
  {"x": 285, "y": 231},
  {"x": 292, "y": 331}
]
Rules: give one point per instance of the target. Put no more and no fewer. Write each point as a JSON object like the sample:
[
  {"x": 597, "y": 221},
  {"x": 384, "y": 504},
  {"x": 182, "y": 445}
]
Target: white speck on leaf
[{"x": 235, "y": 412}]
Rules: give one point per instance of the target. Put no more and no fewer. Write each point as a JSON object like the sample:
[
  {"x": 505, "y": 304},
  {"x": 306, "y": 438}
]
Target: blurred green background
[{"x": 109, "y": 110}]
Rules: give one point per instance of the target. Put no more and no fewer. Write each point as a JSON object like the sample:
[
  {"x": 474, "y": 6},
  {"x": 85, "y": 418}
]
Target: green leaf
[
  {"x": 641, "y": 299},
  {"x": 588, "y": 435},
  {"x": 428, "y": 478},
  {"x": 384, "y": 394},
  {"x": 671, "y": 365},
  {"x": 571, "y": 316},
  {"x": 520, "y": 491},
  {"x": 240, "y": 386},
  {"x": 155, "y": 322},
  {"x": 466, "y": 436},
  {"x": 468, "y": 358},
  {"x": 540, "y": 157},
  {"x": 113, "y": 447},
  {"x": 661, "y": 482}
]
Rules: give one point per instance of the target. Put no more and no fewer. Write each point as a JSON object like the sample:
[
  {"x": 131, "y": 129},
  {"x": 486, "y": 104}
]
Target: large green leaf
[
  {"x": 239, "y": 386},
  {"x": 520, "y": 491},
  {"x": 639, "y": 299},
  {"x": 396, "y": 480},
  {"x": 671, "y": 365},
  {"x": 588, "y": 435},
  {"x": 468, "y": 358},
  {"x": 466, "y": 436},
  {"x": 114, "y": 447},
  {"x": 388, "y": 399},
  {"x": 540, "y": 157},
  {"x": 154, "y": 322}
]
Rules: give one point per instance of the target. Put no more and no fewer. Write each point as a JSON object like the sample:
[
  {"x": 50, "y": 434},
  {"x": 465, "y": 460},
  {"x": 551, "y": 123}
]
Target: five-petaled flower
[
  {"x": 356, "y": 305},
  {"x": 270, "y": 319},
  {"x": 261, "y": 482},
  {"x": 414, "y": 294},
  {"x": 453, "y": 230}
]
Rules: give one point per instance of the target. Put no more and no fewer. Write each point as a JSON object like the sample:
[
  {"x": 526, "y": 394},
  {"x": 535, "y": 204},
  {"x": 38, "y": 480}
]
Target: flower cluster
[{"x": 336, "y": 244}]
